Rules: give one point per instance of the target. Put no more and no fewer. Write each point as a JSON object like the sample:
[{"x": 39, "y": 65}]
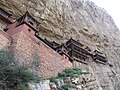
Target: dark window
[
  {"x": 31, "y": 23},
  {"x": 5, "y": 29},
  {"x": 29, "y": 30},
  {"x": 65, "y": 57}
]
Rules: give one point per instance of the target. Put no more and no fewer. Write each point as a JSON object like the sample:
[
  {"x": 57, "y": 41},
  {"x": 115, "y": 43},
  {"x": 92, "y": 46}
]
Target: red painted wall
[{"x": 28, "y": 48}]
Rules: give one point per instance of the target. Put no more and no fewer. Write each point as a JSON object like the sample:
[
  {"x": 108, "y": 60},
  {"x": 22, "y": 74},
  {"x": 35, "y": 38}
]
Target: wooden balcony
[
  {"x": 79, "y": 55},
  {"x": 99, "y": 56},
  {"x": 29, "y": 20}
]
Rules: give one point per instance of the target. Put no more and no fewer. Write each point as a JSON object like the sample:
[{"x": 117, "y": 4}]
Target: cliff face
[
  {"x": 61, "y": 20},
  {"x": 82, "y": 20}
]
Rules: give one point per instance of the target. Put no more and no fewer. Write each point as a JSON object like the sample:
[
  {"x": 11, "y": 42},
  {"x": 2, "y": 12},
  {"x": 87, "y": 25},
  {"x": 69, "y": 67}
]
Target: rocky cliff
[{"x": 82, "y": 20}]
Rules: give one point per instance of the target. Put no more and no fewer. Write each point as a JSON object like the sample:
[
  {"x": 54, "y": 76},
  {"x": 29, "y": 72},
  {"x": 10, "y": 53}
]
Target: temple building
[
  {"x": 5, "y": 19},
  {"x": 77, "y": 51},
  {"x": 29, "y": 46},
  {"x": 99, "y": 57}
]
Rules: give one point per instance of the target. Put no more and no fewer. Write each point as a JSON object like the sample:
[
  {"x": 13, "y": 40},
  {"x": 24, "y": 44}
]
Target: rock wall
[
  {"x": 79, "y": 83},
  {"x": 82, "y": 20}
]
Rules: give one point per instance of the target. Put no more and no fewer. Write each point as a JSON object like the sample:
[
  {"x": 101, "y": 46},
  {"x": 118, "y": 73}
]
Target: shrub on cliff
[
  {"x": 71, "y": 72},
  {"x": 67, "y": 86},
  {"x": 13, "y": 75},
  {"x": 67, "y": 76}
]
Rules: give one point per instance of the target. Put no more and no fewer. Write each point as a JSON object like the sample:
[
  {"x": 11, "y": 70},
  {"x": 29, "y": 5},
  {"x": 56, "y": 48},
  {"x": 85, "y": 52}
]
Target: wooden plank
[{"x": 84, "y": 62}]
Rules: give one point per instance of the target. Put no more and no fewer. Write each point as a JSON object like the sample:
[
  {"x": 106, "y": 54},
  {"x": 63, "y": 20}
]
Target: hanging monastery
[{"x": 23, "y": 36}]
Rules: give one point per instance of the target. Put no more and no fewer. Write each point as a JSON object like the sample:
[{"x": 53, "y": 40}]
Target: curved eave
[{"x": 8, "y": 20}]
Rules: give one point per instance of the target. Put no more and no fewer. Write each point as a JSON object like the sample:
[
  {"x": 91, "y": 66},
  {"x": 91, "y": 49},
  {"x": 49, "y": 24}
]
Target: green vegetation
[
  {"x": 67, "y": 86},
  {"x": 12, "y": 75},
  {"x": 53, "y": 79},
  {"x": 71, "y": 72}
]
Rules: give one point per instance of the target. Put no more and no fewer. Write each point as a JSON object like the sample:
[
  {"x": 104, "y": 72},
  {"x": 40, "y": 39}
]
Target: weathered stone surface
[
  {"x": 43, "y": 85},
  {"x": 82, "y": 20}
]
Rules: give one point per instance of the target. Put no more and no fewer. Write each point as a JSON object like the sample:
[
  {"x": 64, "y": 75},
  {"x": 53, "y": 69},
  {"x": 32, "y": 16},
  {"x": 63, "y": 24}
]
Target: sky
[{"x": 112, "y": 7}]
